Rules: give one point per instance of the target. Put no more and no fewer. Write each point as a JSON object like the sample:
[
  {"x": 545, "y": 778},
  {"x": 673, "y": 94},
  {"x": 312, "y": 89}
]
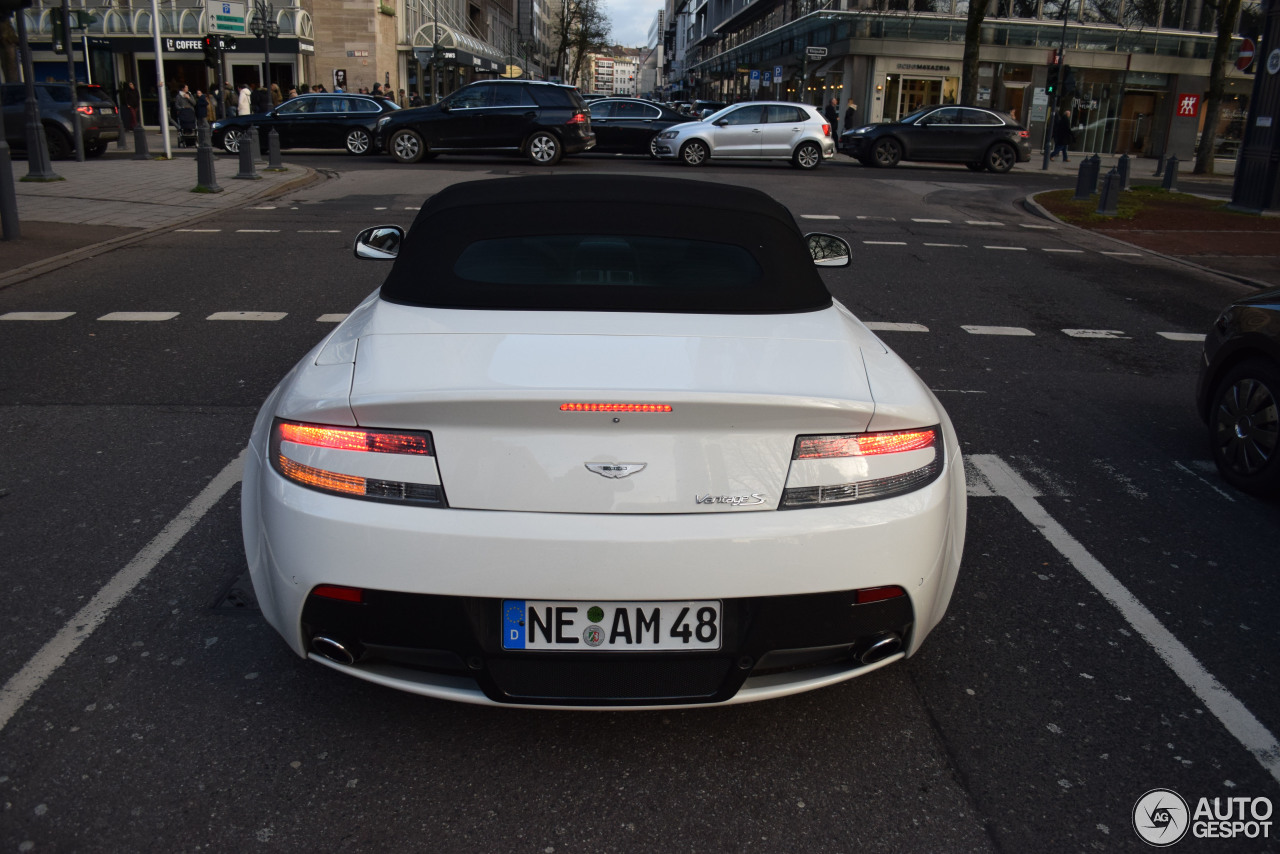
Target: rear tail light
[
  {"x": 382, "y": 465},
  {"x": 579, "y": 118},
  {"x": 1024, "y": 134},
  {"x": 85, "y": 110},
  {"x": 826, "y": 129},
  {"x": 855, "y": 467},
  {"x": 864, "y": 596}
]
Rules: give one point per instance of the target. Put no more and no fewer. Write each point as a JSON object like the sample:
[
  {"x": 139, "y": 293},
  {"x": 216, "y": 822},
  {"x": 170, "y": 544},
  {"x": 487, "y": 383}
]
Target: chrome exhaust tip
[
  {"x": 881, "y": 648},
  {"x": 332, "y": 650}
]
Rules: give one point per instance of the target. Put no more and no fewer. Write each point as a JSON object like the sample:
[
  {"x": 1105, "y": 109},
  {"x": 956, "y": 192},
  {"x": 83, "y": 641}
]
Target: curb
[
  {"x": 55, "y": 262},
  {"x": 1034, "y": 207}
]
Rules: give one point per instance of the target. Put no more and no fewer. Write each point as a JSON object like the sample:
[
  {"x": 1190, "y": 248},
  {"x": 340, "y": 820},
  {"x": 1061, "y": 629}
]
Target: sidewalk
[{"x": 114, "y": 199}]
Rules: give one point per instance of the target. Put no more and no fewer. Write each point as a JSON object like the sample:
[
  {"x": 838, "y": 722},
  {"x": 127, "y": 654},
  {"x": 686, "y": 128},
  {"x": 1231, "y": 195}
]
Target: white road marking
[
  {"x": 997, "y": 330},
  {"x": 938, "y": 221},
  {"x": 257, "y": 231},
  {"x": 1008, "y": 248},
  {"x": 885, "y": 242},
  {"x": 1039, "y": 226},
  {"x": 247, "y": 315},
  {"x": 1182, "y": 336},
  {"x": 1212, "y": 467},
  {"x": 199, "y": 230},
  {"x": 882, "y": 326},
  {"x": 818, "y": 216},
  {"x": 142, "y": 316},
  {"x": 36, "y": 315},
  {"x": 1071, "y": 251},
  {"x": 1233, "y": 714},
  {"x": 413, "y": 209},
  {"x": 379, "y": 209},
  {"x": 1123, "y": 254},
  {"x": 947, "y": 245},
  {"x": 319, "y": 231},
  {"x": 878, "y": 218},
  {"x": 331, "y": 318},
  {"x": 263, "y": 208},
  {"x": 51, "y": 656},
  {"x": 1095, "y": 333},
  {"x": 981, "y": 222}
]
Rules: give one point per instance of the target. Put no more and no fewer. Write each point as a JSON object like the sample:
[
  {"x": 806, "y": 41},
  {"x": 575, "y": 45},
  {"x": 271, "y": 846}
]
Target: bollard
[
  {"x": 1084, "y": 184},
  {"x": 1170, "y": 181},
  {"x": 1110, "y": 194},
  {"x": 1159, "y": 166},
  {"x": 273, "y": 155},
  {"x": 1095, "y": 171},
  {"x": 246, "y": 158},
  {"x": 140, "y": 149},
  {"x": 121, "y": 143},
  {"x": 254, "y": 144},
  {"x": 206, "y": 178},
  {"x": 1123, "y": 168}
]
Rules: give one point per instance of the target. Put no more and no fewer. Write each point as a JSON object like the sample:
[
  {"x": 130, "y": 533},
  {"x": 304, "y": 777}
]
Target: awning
[
  {"x": 826, "y": 67},
  {"x": 456, "y": 48}
]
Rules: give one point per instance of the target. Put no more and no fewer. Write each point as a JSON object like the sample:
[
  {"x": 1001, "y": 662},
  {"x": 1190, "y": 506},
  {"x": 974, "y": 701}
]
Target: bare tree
[
  {"x": 8, "y": 48},
  {"x": 581, "y": 28},
  {"x": 972, "y": 41},
  {"x": 1228, "y": 12}
]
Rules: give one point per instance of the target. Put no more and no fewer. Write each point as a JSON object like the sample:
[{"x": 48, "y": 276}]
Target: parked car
[
  {"x": 771, "y": 130},
  {"x": 630, "y": 125},
  {"x": 633, "y": 460},
  {"x": 1238, "y": 394},
  {"x": 99, "y": 118},
  {"x": 977, "y": 137},
  {"x": 542, "y": 121},
  {"x": 319, "y": 120},
  {"x": 702, "y": 109}
]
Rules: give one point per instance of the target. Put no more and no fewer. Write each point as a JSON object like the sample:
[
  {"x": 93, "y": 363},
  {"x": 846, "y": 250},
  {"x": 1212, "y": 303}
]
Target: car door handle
[
  {"x": 755, "y": 130},
  {"x": 531, "y": 114}
]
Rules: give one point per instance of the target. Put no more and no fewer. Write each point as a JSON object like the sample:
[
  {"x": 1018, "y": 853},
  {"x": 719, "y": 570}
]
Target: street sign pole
[
  {"x": 162, "y": 96},
  {"x": 71, "y": 78}
]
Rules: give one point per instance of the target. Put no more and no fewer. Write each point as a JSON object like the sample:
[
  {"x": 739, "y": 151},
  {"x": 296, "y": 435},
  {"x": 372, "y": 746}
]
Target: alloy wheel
[{"x": 1246, "y": 426}]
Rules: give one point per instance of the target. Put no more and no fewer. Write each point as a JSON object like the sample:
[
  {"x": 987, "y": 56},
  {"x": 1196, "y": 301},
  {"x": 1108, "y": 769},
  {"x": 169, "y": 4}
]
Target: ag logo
[{"x": 1161, "y": 818}]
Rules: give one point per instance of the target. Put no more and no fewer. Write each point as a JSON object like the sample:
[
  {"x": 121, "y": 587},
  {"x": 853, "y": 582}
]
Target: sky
[{"x": 631, "y": 20}]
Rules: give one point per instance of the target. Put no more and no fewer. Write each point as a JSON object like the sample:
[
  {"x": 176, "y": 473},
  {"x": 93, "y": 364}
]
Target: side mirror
[
  {"x": 827, "y": 250},
  {"x": 380, "y": 243},
  {"x": 444, "y": 106},
  {"x": 722, "y": 123}
]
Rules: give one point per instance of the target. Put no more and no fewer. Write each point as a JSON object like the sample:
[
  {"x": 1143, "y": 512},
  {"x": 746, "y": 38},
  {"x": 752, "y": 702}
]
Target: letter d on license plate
[{"x": 611, "y": 626}]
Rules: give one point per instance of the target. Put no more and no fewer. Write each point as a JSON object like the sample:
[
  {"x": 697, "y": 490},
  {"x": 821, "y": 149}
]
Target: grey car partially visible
[
  {"x": 99, "y": 118},
  {"x": 758, "y": 130}
]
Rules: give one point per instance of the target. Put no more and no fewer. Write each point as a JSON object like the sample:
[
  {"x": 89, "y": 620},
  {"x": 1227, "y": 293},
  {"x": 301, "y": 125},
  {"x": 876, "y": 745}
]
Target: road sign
[
  {"x": 815, "y": 52},
  {"x": 755, "y": 79},
  {"x": 765, "y": 78},
  {"x": 1245, "y": 59},
  {"x": 777, "y": 72},
  {"x": 226, "y": 16}
]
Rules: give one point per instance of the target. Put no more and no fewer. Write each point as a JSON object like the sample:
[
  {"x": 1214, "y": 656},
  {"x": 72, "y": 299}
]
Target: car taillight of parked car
[
  {"x": 85, "y": 110},
  {"x": 826, "y": 129},
  {"x": 1024, "y": 134},
  {"x": 578, "y": 119}
]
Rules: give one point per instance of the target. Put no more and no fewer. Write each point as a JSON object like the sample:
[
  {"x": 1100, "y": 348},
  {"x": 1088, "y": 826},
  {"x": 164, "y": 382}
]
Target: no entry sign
[{"x": 1245, "y": 59}]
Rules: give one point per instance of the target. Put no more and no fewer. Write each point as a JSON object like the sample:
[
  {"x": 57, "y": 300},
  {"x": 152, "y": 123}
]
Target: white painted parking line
[
  {"x": 1067, "y": 251},
  {"x": 998, "y": 330},
  {"x": 818, "y": 216},
  {"x": 199, "y": 230},
  {"x": 1233, "y": 714},
  {"x": 380, "y": 209},
  {"x": 263, "y": 208},
  {"x": 1182, "y": 336},
  {"x": 257, "y": 231},
  {"x": 981, "y": 222},
  {"x": 24, "y": 683},
  {"x": 1008, "y": 248},
  {"x": 1123, "y": 254},
  {"x": 878, "y": 218},
  {"x": 36, "y": 315},
  {"x": 331, "y": 318},
  {"x": 1095, "y": 333},
  {"x": 319, "y": 231},
  {"x": 1209, "y": 466},
  {"x": 882, "y": 326},
  {"x": 938, "y": 221},
  {"x": 1039, "y": 226},
  {"x": 141, "y": 316},
  {"x": 247, "y": 315},
  {"x": 413, "y": 209},
  {"x": 885, "y": 242},
  {"x": 947, "y": 245}
]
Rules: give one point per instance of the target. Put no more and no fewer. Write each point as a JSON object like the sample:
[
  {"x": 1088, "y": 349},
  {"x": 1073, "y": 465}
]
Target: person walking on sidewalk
[
  {"x": 1062, "y": 134},
  {"x": 832, "y": 115},
  {"x": 244, "y": 107},
  {"x": 850, "y": 116},
  {"x": 129, "y": 95}
]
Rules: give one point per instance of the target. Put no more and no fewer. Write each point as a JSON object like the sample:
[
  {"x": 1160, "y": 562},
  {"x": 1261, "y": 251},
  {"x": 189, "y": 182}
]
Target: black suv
[
  {"x": 542, "y": 121},
  {"x": 99, "y": 119}
]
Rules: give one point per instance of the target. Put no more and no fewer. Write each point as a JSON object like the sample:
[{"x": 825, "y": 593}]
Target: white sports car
[{"x": 639, "y": 458}]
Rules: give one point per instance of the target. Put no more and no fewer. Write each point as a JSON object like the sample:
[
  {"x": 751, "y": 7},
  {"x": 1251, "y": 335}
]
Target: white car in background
[
  {"x": 641, "y": 461},
  {"x": 758, "y": 130}
]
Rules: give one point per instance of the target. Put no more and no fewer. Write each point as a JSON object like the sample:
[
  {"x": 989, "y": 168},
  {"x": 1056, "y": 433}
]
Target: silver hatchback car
[{"x": 768, "y": 130}]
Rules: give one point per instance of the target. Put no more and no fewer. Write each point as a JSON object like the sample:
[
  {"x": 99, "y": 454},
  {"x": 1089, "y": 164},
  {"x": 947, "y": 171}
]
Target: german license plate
[
  {"x": 611, "y": 626},
  {"x": 108, "y": 111}
]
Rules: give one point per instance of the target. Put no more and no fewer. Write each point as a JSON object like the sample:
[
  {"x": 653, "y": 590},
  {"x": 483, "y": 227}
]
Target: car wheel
[
  {"x": 358, "y": 141},
  {"x": 1000, "y": 157},
  {"x": 653, "y": 146},
  {"x": 59, "y": 144},
  {"x": 543, "y": 149},
  {"x": 693, "y": 153},
  {"x": 406, "y": 146},
  {"x": 975, "y": 167},
  {"x": 887, "y": 152},
  {"x": 98, "y": 149},
  {"x": 1244, "y": 426},
  {"x": 808, "y": 156},
  {"x": 231, "y": 140}
]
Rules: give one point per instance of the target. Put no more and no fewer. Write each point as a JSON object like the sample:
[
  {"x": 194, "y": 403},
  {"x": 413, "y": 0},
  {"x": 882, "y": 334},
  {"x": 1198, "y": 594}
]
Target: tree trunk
[
  {"x": 972, "y": 40},
  {"x": 1228, "y": 12}
]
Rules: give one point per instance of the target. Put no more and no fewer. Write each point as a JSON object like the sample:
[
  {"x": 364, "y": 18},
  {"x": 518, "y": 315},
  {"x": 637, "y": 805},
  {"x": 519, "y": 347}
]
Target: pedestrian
[
  {"x": 415, "y": 100},
  {"x": 131, "y": 104},
  {"x": 276, "y": 97},
  {"x": 401, "y": 99},
  {"x": 204, "y": 107},
  {"x": 244, "y": 105},
  {"x": 293, "y": 93},
  {"x": 1062, "y": 134},
  {"x": 832, "y": 114},
  {"x": 850, "y": 116},
  {"x": 259, "y": 98}
]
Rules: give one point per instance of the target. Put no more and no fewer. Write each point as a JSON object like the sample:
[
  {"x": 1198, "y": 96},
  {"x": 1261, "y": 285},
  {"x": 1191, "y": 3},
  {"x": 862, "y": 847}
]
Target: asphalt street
[{"x": 1112, "y": 631}]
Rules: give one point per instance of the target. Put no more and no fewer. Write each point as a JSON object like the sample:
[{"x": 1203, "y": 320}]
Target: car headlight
[
  {"x": 668, "y": 134},
  {"x": 865, "y": 129}
]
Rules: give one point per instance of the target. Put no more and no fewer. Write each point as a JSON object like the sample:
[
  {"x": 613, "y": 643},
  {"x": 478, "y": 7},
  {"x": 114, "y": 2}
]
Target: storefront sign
[
  {"x": 1189, "y": 105},
  {"x": 923, "y": 66},
  {"x": 176, "y": 45}
]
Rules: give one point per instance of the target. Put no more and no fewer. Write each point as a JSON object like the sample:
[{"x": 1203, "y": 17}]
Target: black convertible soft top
[{"x": 605, "y": 243}]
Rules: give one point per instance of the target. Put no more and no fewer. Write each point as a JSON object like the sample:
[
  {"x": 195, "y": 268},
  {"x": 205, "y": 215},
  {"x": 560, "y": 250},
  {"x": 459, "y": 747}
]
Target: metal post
[
  {"x": 1123, "y": 168},
  {"x": 206, "y": 177},
  {"x": 9, "y": 227},
  {"x": 1053, "y": 102},
  {"x": 435, "y": 48},
  {"x": 254, "y": 145},
  {"x": 1107, "y": 203},
  {"x": 38, "y": 168},
  {"x": 247, "y": 142},
  {"x": 141, "y": 151},
  {"x": 71, "y": 79},
  {"x": 1159, "y": 166},
  {"x": 273, "y": 152},
  {"x": 162, "y": 96},
  {"x": 1170, "y": 181},
  {"x": 1084, "y": 182}
]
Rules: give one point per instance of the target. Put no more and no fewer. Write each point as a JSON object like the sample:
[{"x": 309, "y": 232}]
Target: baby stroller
[{"x": 185, "y": 122}]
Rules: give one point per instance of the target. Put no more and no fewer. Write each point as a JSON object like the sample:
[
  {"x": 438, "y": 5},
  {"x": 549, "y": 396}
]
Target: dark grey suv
[
  {"x": 541, "y": 121},
  {"x": 99, "y": 118}
]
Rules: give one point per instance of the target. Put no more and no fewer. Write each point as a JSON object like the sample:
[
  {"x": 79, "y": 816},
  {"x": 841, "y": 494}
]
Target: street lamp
[{"x": 263, "y": 25}]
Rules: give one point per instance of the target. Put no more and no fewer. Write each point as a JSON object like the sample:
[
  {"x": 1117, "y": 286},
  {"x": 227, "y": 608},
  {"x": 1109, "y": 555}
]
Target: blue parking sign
[
  {"x": 755, "y": 74},
  {"x": 766, "y": 77},
  {"x": 777, "y": 72}
]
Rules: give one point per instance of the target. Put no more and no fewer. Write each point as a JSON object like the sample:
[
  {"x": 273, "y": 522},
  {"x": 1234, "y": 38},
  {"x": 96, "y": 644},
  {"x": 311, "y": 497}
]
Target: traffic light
[
  {"x": 59, "y": 33},
  {"x": 210, "y": 51},
  {"x": 1051, "y": 85}
]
